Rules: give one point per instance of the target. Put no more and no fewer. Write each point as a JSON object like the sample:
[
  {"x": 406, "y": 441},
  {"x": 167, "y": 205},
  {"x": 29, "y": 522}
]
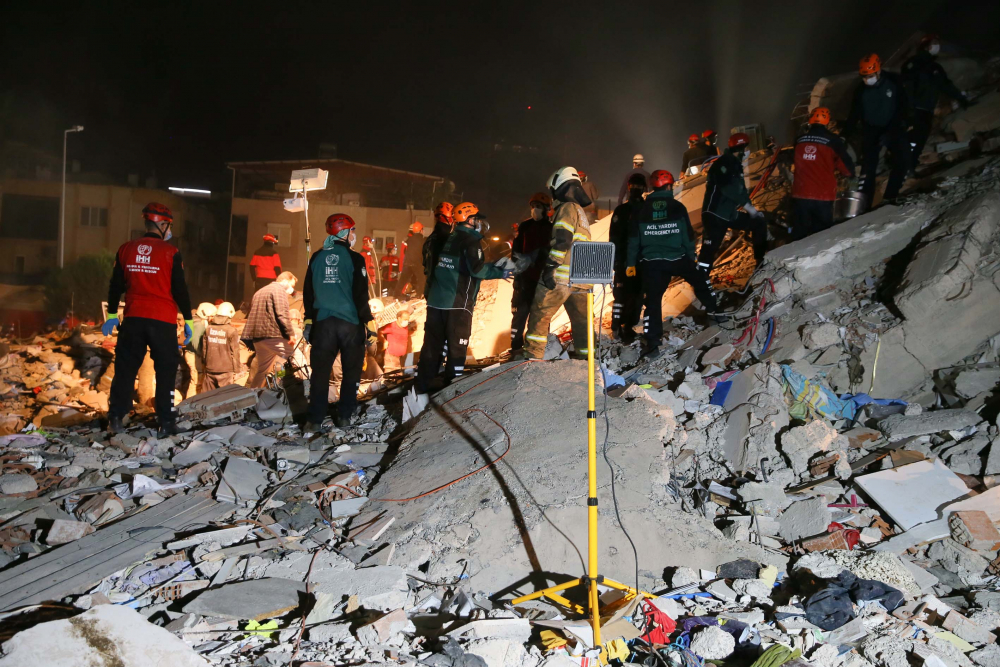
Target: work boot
[
  {"x": 167, "y": 429},
  {"x": 650, "y": 352},
  {"x": 116, "y": 426},
  {"x": 341, "y": 422},
  {"x": 310, "y": 429},
  {"x": 626, "y": 335}
]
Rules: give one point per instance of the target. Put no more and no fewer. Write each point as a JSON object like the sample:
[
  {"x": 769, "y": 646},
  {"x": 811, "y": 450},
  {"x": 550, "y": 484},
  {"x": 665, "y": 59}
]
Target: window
[
  {"x": 380, "y": 237},
  {"x": 238, "y": 240},
  {"x": 19, "y": 265},
  {"x": 282, "y": 232},
  {"x": 29, "y": 217},
  {"x": 92, "y": 216}
]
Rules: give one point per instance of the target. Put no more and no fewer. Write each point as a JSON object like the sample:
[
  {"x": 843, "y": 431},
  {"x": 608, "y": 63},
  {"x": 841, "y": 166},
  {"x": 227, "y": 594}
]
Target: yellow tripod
[{"x": 593, "y": 578}]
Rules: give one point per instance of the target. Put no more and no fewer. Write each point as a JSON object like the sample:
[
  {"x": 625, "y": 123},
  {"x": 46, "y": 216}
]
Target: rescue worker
[
  {"x": 220, "y": 349},
  {"x": 637, "y": 168},
  {"x": 626, "y": 289},
  {"x": 150, "y": 273},
  {"x": 269, "y": 331},
  {"x": 925, "y": 82},
  {"x": 592, "y": 192},
  {"x": 710, "y": 140},
  {"x": 390, "y": 269},
  {"x": 412, "y": 273},
  {"x": 661, "y": 246},
  {"x": 452, "y": 297},
  {"x": 569, "y": 225},
  {"x": 443, "y": 226},
  {"x": 265, "y": 265},
  {"x": 338, "y": 321},
  {"x": 192, "y": 357},
  {"x": 725, "y": 194},
  {"x": 532, "y": 238},
  {"x": 881, "y": 107},
  {"x": 819, "y": 156},
  {"x": 696, "y": 153}
]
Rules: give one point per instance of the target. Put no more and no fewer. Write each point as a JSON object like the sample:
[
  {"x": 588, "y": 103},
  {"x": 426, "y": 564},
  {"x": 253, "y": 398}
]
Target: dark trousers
[
  {"x": 810, "y": 216},
  {"x": 714, "y": 231},
  {"x": 410, "y": 276},
  {"x": 656, "y": 276},
  {"x": 520, "y": 306},
  {"x": 451, "y": 328},
  {"x": 627, "y": 291},
  {"x": 261, "y": 282},
  {"x": 893, "y": 138},
  {"x": 330, "y": 337},
  {"x": 921, "y": 129},
  {"x": 134, "y": 335}
]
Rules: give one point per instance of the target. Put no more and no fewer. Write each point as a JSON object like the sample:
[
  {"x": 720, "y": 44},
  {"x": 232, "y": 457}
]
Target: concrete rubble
[{"x": 773, "y": 505}]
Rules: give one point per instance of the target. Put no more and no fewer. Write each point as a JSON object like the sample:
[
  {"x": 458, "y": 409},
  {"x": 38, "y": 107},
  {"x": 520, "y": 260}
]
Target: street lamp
[{"x": 62, "y": 200}]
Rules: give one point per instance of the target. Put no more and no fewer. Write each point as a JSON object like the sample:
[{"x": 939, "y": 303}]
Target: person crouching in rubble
[
  {"x": 338, "y": 321},
  {"x": 220, "y": 349},
  {"x": 725, "y": 194},
  {"x": 819, "y": 156},
  {"x": 192, "y": 356},
  {"x": 460, "y": 270},
  {"x": 150, "y": 273},
  {"x": 661, "y": 246},
  {"x": 397, "y": 338},
  {"x": 569, "y": 225}
]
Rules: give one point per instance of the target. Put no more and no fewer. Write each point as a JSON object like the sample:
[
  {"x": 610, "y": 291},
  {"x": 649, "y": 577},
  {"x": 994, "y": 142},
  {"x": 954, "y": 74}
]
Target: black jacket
[
  {"x": 926, "y": 81},
  {"x": 696, "y": 155},
  {"x": 618, "y": 230},
  {"x": 532, "y": 238},
  {"x": 725, "y": 191},
  {"x": 882, "y": 106}
]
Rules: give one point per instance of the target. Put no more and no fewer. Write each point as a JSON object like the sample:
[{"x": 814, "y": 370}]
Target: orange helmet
[
  {"x": 661, "y": 178},
  {"x": 869, "y": 65},
  {"x": 442, "y": 212},
  {"x": 541, "y": 198},
  {"x": 463, "y": 211},
  {"x": 739, "y": 139},
  {"x": 820, "y": 115},
  {"x": 417, "y": 228}
]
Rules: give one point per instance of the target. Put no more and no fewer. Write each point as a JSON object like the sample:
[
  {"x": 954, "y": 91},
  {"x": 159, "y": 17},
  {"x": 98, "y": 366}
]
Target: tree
[{"x": 79, "y": 287}]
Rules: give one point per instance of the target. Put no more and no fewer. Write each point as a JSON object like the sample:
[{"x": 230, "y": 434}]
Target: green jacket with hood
[{"x": 460, "y": 268}]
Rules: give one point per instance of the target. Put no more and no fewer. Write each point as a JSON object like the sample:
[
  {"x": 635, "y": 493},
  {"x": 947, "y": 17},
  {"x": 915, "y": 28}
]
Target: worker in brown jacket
[
  {"x": 220, "y": 349},
  {"x": 268, "y": 331}
]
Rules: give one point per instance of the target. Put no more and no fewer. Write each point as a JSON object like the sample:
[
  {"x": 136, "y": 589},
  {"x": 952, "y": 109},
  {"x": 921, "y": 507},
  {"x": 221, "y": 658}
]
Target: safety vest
[{"x": 148, "y": 264}]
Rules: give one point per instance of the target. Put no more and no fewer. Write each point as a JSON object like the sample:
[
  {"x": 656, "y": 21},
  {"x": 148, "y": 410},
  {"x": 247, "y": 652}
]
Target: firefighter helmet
[
  {"x": 562, "y": 176},
  {"x": 638, "y": 158},
  {"x": 206, "y": 310},
  {"x": 226, "y": 310}
]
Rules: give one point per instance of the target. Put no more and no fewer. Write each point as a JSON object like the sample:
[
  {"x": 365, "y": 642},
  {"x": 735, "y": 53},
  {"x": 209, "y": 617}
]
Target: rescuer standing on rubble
[
  {"x": 819, "y": 156},
  {"x": 452, "y": 297},
  {"x": 265, "y": 265},
  {"x": 150, "y": 272},
  {"x": 637, "y": 168},
  {"x": 533, "y": 236},
  {"x": 368, "y": 252},
  {"x": 925, "y": 82},
  {"x": 192, "y": 358},
  {"x": 710, "y": 140},
  {"x": 725, "y": 194},
  {"x": 390, "y": 269},
  {"x": 881, "y": 107},
  {"x": 338, "y": 321},
  {"x": 268, "y": 331},
  {"x": 412, "y": 272},
  {"x": 443, "y": 226},
  {"x": 220, "y": 349},
  {"x": 695, "y": 154},
  {"x": 627, "y": 290},
  {"x": 569, "y": 225},
  {"x": 591, "y": 189},
  {"x": 661, "y": 246}
]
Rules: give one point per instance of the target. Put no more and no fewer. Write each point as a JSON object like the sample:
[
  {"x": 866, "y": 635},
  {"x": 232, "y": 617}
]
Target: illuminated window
[{"x": 92, "y": 216}]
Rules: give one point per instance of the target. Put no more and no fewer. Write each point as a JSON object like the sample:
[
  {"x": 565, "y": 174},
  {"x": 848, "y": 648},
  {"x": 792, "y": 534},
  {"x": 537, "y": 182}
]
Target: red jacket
[
  {"x": 819, "y": 156},
  {"x": 266, "y": 266},
  {"x": 151, "y": 274},
  {"x": 390, "y": 268},
  {"x": 397, "y": 339}
]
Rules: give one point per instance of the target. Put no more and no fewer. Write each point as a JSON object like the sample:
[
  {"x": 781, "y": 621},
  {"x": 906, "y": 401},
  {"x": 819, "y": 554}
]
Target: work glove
[
  {"x": 109, "y": 325},
  {"x": 549, "y": 276},
  {"x": 371, "y": 332},
  {"x": 630, "y": 272},
  {"x": 187, "y": 331},
  {"x": 752, "y": 210},
  {"x": 509, "y": 273},
  {"x": 307, "y": 329}
]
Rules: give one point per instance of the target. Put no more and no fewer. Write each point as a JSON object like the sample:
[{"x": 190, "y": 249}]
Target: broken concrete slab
[
  {"x": 64, "y": 532},
  {"x": 819, "y": 336},
  {"x": 804, "y": 519},
  {"x": 255, "y": 599},
  {"x": 105, "y": 635},
  {"x": 14, "y": 483},
  {"x": 801, "y": 443},
  {"x": 242, "y": 481},
  {"x": 755, "y": 412},
  {"x": 712, "y": 643},
  {"x": 231, "y": 400},
  {"x": 974, "y": 381},
  {"x": 897, "y": 427},
  {"x": 196, "y": 452},
  {"x": 975, "y": 530},
  {"x": 913, "y": 494},
  {"x": 516, "y": 629}
]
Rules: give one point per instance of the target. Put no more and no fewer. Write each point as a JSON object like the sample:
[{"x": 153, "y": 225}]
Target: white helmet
[
  {"x": 638, "y": 158},
  {"x": 376, "y": 306},
  {"x": 561, "y": 176},
  {"x": 226, "y": 310},
  {"x": 206, "y": 310}
]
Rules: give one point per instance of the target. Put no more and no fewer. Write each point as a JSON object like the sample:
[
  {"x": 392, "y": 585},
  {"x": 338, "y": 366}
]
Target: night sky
[{"x": 183, "y": 88}]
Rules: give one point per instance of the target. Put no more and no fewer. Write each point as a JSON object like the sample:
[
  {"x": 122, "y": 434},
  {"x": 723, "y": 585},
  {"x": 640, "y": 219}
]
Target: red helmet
[
  {"x": 417, "y": 227},
  {"x": 693, "y": 139},
  {"x": 661, "y": 178},
  {"x": 157, "y": 213},
  {"x": 338, "y": 222},
  {"x": 583, "y": 174},
  {"x": 869, "y": 65},
  {"x": 707, "y": 133},
  {"x": 366, "y": 242},
  {"x": 739, "y": 139},
  {"x": 929, "y": 39},
  {"x": 270, "y": 238},
  {"x": 389, "y": 245}
]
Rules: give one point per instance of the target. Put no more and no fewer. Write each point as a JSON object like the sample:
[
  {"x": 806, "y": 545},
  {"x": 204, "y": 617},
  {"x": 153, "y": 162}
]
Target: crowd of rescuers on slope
[{"x": 331, "y": 326}]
